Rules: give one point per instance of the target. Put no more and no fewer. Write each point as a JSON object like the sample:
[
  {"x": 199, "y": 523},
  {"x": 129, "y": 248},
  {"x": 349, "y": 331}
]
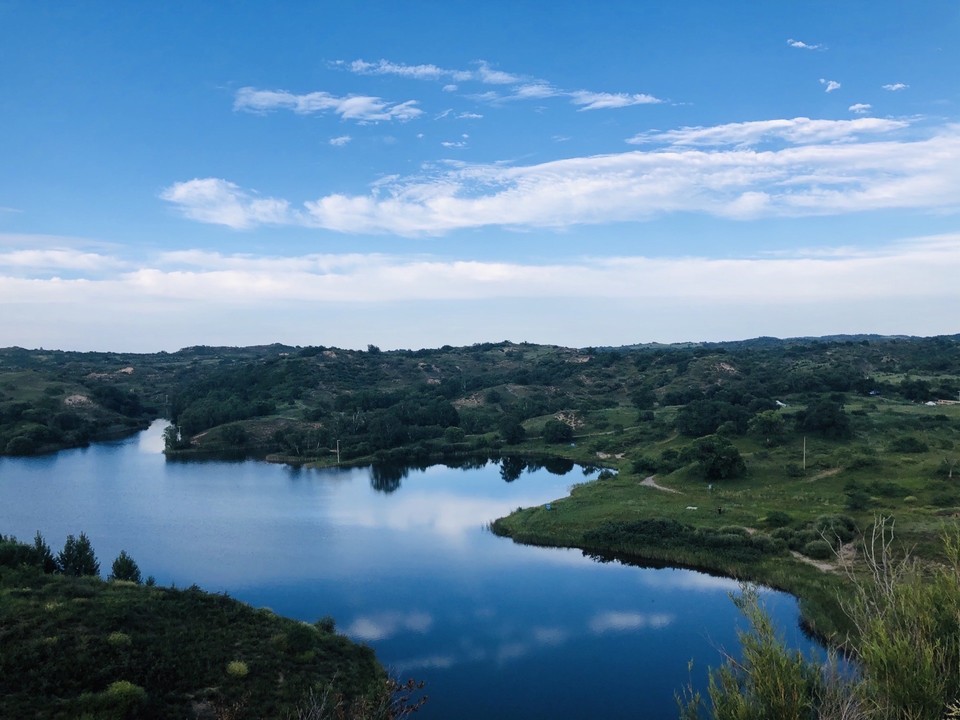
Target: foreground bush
[{"x": 906, "y": 648}]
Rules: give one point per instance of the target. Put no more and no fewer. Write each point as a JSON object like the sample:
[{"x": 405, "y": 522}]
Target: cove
[{"x": 404, "y": 563}]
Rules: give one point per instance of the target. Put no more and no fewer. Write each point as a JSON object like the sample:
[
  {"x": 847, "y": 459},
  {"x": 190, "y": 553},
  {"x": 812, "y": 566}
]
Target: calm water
[{"x": 497, "y": 630}]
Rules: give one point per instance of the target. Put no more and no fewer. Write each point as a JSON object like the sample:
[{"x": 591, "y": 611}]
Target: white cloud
[
  {"x": 860, "y": 108},
  {"x": 340, "y": 141},
  {"x": 921, "y": 267},
  {"x": 524, "y": 88},
  {"x": 805, "y": 179},
  {"x": 894, "y": 87},
  {"x": 831, "y": 85},
  {"x": 417, "y": 72},
  {"x": 362, "y": 108},
  {"x": 220, "y": 202},
  {"x": 799, "y": 131},
  {"x": 183, "y": 298},
  {"x": 469, "y": 116},
  {"x": 486, "y": 74},
  {"x": 57, "y": 259},
  {"x": 600, "y": 100},
  {"x": 803, "y": 46},
  {"x": 453, "y": 144},
  {"x": 534, "y": 91}
]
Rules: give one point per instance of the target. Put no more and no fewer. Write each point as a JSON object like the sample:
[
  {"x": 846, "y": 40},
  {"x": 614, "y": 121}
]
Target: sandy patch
[{"x": 650, "y": 482}]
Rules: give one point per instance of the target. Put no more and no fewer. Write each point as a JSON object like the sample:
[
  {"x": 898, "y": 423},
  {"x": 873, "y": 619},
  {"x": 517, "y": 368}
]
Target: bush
[
  {"x": 818, "y": 550},
  {"x": 237, "y": 669},
  {"x": 555, "y": 431},
  {"x": 301, "y": 638},
  {"x": 909, "y": 444},
  {"x": 777, "y": 519}
]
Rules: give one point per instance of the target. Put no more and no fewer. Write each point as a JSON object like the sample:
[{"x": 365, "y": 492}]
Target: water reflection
[{"x": 399, "y": 557}]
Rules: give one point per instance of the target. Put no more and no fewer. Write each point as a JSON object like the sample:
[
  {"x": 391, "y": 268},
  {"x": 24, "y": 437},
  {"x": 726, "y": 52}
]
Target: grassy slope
[
  {"x": 911, "y": 487},
  {"x": 67, "y": 640}
]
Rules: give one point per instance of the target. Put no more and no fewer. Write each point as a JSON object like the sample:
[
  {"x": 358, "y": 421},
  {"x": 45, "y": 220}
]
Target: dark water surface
[{"x": 497, "y": 630}]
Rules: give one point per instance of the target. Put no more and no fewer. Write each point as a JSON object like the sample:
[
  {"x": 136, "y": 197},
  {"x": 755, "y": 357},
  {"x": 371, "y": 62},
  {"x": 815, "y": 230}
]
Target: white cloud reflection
[
  {"x": 621, "y": 621},
  {"x": 384, "y": 625}
]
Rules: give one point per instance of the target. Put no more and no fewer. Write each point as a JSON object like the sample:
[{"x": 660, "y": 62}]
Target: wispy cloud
[
  {"x": 860, "y": 108},
  {"x": 521, "y": 87},
  {"x": 895, "y": 87},
  {"x": 804, "y": 46},
  {"x": 831, "y": 85},
  {"x": 417, "y": 72},
  {"x": 600, "y": 100},
  {"x": 817, "y": 175},
  {"x": 534, "y": 91},
  {"x": 340, "y": 140},
  {"x": 798, "y": 131},
  {"x": 362, "y": 108}
]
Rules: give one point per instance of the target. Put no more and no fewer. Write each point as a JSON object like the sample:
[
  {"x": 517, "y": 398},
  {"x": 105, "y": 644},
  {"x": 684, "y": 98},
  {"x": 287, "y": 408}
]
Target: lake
[{"x": 404, "y": 563}]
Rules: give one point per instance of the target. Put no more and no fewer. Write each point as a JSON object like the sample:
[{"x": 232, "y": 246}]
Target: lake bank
[
  {"x": 714, "y": 542},
  {"x": 405, "y": 565}
]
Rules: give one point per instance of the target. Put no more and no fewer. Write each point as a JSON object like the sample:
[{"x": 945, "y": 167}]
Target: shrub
[
  {"x": 909, "y": 444},
  {"x": 301, "y": 638},
  {"x": 119, "y": 639},
  {"x": 237, "y": 669},
  {"x": 818, "y": 550},
  {"x": 777, "y": 519}
]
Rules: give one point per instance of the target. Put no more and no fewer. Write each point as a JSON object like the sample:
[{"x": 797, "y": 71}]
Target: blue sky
[{"x": 413, "y": 174}]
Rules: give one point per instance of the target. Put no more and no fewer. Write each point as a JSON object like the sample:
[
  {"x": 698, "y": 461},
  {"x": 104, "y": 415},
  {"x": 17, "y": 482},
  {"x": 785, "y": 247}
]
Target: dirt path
[{"x": 650, "y": 482}]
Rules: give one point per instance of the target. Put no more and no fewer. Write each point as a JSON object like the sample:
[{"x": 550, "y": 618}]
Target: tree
[
  {"x": 556, "y": 431},
  {"x": 827, "y": 419},
  {"x": 718, "y": 458},
  {"x": 767, "y": 425},
  {"x": 45, "y": 557},
  {"x": 77, "y": 557},
  {"x": 512, "y": 431},
  {"x": 125, "y": 568}
]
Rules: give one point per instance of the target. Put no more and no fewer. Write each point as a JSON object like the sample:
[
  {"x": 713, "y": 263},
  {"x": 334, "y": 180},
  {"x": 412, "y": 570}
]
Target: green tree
[
  {"x": 125, "y": 568},
  {"x": 768, "y": 426},
  {"x": 45, "y": 557},
  {"x": 718, "y": 458},
  {"x": 77, "y": 557},
  {"x": 827, "y": 419},
  {"x": 556, "y": 431},
  {"x": 512, "y": 431}
]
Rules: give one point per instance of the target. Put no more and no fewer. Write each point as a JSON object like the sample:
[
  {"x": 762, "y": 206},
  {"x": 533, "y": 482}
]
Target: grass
[{"x": 775, "y": 483}]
